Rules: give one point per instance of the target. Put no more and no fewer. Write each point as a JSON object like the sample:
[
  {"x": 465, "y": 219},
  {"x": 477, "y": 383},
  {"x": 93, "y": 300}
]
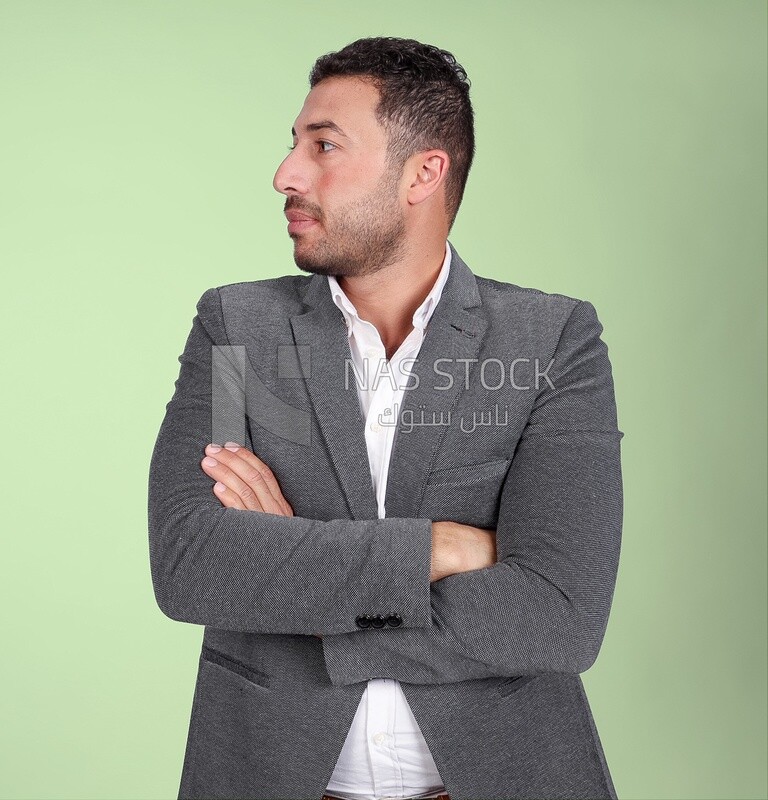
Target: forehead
[{"x": 349, "y": 102}]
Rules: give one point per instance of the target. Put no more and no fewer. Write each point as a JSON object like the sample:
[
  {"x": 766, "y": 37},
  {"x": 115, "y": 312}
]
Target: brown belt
[{"x": 334, "y": 797}]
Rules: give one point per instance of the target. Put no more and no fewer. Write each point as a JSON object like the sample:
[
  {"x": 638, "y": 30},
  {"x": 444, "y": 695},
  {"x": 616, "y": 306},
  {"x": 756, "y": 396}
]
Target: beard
[{"x": 362, "y": 238}]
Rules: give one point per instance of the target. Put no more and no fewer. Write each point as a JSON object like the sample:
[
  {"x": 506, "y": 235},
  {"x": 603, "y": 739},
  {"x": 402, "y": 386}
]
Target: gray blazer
[{"x": 489, "y": 660}]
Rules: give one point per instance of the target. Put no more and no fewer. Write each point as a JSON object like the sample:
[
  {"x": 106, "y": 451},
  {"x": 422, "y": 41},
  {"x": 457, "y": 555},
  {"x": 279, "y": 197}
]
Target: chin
[{"x": 312, "y": 267}]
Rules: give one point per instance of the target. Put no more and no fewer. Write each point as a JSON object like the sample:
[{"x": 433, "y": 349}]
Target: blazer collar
[{"x": 454, "y": 334}]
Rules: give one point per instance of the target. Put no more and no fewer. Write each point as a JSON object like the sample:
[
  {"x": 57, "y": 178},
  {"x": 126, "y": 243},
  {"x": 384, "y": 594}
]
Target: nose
[{"x": 288, "y": 177}]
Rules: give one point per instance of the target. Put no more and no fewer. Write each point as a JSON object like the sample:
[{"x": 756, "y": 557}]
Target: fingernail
[
  {"x": 213, "y": 448},
  {"x": 219, "y": 486},
  {"x": 210, "y": 462},
  {"x": 233, "y": 446}
]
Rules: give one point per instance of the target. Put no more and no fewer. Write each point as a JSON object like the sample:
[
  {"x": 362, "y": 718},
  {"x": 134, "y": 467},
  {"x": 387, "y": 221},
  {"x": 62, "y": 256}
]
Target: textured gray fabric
[{"x": 489, "y": 660}]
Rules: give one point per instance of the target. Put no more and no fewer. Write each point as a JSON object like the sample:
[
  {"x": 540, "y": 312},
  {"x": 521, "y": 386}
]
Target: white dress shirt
[{"x": 384, "y": 755}]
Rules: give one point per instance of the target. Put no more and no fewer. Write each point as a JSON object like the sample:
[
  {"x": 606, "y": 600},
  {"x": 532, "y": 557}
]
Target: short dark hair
[{"x": 424, "y": 101}]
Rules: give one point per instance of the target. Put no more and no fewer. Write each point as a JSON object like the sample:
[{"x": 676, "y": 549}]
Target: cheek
[
  {"x": 345, "y": 183},
  {"x": 326, "y": 182}
]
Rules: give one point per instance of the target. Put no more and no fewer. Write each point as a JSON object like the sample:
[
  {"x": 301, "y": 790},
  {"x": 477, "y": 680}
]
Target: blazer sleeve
[
  {"x": 259, "y": 572},
  {"x": 544, "y": 606}
]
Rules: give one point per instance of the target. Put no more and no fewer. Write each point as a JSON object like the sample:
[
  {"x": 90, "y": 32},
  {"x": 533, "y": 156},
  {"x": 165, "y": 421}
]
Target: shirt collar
[{"x": 422, "y": 314}]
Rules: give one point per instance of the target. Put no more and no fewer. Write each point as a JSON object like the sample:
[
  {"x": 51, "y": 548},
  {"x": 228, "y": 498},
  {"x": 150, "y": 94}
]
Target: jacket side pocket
[{"x": 243, "y": 670}]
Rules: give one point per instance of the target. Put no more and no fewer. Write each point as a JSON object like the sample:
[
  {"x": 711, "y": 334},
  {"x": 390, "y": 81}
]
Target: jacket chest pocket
[{"x": 468, "y": 494}]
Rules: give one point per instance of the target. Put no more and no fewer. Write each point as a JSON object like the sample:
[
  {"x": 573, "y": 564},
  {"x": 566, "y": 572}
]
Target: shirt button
[
  {"x": 371, "y": 352},
  {"x": 380, "y": 738},
  {"x": 375, "y": 427}
]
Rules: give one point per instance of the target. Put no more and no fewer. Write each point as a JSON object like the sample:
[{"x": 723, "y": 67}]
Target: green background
[{"x": 621, "y": 158}]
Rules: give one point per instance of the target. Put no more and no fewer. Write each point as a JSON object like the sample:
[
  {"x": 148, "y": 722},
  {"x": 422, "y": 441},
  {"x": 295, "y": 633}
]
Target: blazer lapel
[
  {"x": 454, "y": 332},
  {"x": 337, "y": 406}
]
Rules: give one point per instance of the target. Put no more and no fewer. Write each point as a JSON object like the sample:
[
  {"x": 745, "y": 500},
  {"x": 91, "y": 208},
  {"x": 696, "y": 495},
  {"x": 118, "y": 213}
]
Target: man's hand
[
  {"x": 244, "y": 481},
  {"x": 460, "y": 548}
]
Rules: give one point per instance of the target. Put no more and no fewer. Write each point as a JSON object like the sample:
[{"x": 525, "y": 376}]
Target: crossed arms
[
  {"x": 543, "y": 606},
  {"x": 246, "y": 482}
]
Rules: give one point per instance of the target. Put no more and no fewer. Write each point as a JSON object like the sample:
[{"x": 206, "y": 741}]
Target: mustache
[{"x": 294, "y": 206}]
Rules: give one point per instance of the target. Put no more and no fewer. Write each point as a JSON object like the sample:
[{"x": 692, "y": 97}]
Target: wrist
[{"x": 444, "y": 550}]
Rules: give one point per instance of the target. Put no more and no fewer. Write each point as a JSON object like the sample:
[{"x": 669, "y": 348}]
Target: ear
[{"x": 428, "y": 170}]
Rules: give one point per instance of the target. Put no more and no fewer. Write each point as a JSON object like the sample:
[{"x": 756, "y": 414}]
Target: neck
[{"x": 388, "y": 298}]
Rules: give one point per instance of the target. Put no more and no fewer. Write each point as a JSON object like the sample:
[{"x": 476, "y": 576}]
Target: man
[{"x": 401, "y": 575}]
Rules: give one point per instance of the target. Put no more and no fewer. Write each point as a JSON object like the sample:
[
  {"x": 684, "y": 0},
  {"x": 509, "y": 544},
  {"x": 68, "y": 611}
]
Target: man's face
[{"x": 341, "y": 179}]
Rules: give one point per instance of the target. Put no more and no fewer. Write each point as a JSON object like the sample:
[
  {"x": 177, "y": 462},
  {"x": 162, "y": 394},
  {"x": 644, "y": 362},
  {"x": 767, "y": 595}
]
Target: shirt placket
[{"x": 381, "y": 395}]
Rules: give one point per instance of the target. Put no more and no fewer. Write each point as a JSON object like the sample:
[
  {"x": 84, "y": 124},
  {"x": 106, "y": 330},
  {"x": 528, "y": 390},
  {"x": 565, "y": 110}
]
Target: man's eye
[{"x": 320, "y": 142}]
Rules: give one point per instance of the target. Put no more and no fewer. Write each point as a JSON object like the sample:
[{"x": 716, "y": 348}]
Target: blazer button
[
  {"x": 364, "y": 621},
  {"x": 394, "y": 620},
  {"x": 378, "y": 621}
]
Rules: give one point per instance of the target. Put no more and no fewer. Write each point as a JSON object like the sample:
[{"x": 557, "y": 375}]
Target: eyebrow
[{"x": 318, "y": 126}]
